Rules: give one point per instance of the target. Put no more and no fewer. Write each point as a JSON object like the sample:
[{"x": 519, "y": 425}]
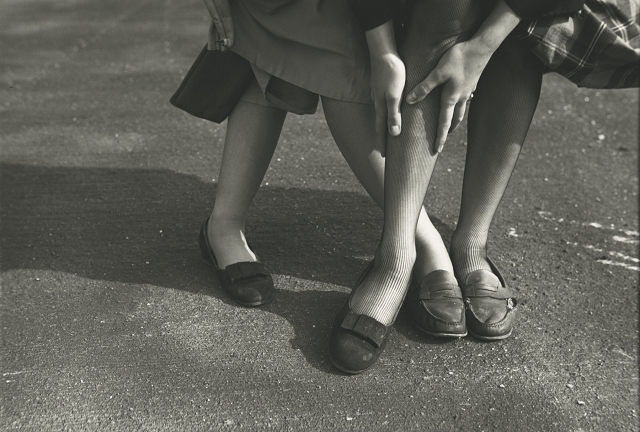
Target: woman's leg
[
  {"x": 252, "y": 135},
  {"x": 499, "y": 117},
  {"x": 432, "y": 29},
  {"x": 409, "y": 164},
  {"x": 353, "y": 128}
]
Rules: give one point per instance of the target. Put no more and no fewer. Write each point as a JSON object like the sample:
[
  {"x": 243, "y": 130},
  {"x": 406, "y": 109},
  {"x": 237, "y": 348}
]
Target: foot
[
  {"x": 228, "y": 243},
  {"x": 356, "y": 340},
  {"x": 490, "y": 306},
  {"x": 430, "y": 259},
  {"x": 436, "y": 306},
  {"x": 248, "y": 283}
]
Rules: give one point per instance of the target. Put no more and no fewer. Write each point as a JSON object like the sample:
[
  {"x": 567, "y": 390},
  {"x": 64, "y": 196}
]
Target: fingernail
[
  {"x": 411, "y": 98},
  {"x": 395, "y": 130}
]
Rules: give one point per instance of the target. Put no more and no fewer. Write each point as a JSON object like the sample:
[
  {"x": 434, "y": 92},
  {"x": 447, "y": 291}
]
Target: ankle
[
  {"x": 395, "y": 265},
  {"x": 430, "y": 258},
  {"x": 468, "y": 253},
  {"x": 228, "y": 242},
  {"x": 221, "y": 226},
  {"x": 464, "y": 239},
  {"x": 468, "y": 244}
]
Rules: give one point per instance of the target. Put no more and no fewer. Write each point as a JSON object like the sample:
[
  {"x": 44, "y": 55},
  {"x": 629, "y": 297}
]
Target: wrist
[
  {"x": 484, "y": 45},
  {"x": 381, "y": 41},
  {"x": 495, "y": 28},
  {"x": 385, "y": 58}
]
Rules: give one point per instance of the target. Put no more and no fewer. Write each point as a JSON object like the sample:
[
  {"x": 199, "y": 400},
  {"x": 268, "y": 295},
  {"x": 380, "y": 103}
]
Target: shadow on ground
[{"x": 141, "y": 227}]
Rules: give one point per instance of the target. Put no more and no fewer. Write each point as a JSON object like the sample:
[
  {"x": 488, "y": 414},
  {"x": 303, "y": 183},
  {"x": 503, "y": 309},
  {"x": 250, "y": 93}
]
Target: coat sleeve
[
  {"x": 372, "y": 13},
  {"x": 533, "y": 9}
]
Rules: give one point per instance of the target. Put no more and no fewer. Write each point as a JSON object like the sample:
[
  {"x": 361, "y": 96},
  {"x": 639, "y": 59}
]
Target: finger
[
  {"x": 215, "y": 17},
  {"x": 421, "y": 91},
  {"x": 381, "y": 144},
  {"x": 394, "y": 120},
  {"x": 212, "y": 40},
  {"x": 221, "y": 16},
  {"x": 216, "y": 23},
  {"x": 447, "y": 107},
  {"x": 458, "y": 115},
  {"x": 227, "y": 22},
  {"x": 381, "y": 126}
]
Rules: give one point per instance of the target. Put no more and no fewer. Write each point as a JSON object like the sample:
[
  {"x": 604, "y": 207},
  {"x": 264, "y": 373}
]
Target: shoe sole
[
  {"x": 241, "y": 303},
  {"x": 442, "y": 335},
  {"x": 491, "y": 338},
  {"x": 347, "y": 370}
]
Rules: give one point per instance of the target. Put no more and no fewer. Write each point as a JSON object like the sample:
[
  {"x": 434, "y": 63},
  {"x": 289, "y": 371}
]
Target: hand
[
  {"x": 387, "y": 82},
  {"x": 221, "y": 34},
  {"x": 458, "y": 71}
]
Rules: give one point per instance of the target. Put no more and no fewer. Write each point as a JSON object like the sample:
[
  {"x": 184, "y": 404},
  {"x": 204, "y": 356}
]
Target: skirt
[
  {"x": 286, "y": 54},
  {"x": 599, "y": 47},
  {"x": 316, "y": 45}
]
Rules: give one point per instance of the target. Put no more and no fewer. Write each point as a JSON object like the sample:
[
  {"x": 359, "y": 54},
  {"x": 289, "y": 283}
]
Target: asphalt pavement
[{"x": 110, "y": 321}]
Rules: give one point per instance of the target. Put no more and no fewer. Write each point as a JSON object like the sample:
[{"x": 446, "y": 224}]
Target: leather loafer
[
  {"x": 436, "y": 306},
  {"x": 248, "y": 283},
  {"x": 356, "y": 340},
  {"x": 490, "y": 306}
]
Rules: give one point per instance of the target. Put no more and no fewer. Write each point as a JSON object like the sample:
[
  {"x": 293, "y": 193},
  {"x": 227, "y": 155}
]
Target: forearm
[
  {"x": 381, "y": 40},
  {"x": 495, "y": 29}
]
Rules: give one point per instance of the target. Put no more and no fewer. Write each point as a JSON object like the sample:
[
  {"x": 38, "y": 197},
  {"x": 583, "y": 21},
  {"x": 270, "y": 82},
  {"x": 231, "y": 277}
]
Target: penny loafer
[
  {"x": 248, "y": 283},
  {"x": 436, "y": 306},
  {"x": 490, "y": 305},
  {"x": 356, "y": 341}
]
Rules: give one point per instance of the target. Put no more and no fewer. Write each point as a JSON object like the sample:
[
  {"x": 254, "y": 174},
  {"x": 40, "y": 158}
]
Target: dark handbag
[
  {"x": 213, "y": 86},
  {"x": 596, "y": 48}
]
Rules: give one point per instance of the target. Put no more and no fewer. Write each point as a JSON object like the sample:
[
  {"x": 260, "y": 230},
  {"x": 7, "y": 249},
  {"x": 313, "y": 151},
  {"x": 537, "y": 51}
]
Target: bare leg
[
  {"x": 499, "y": 119},
  {"x": 252, "y": 135},
  {"x": 353, "y": 128}
]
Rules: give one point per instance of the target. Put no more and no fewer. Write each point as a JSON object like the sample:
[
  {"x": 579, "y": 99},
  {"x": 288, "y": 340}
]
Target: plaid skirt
[{"x": 599, "y": 47}]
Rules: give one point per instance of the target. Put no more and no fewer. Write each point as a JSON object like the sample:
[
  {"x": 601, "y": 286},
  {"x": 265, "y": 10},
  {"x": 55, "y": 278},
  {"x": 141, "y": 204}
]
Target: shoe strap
[
  {"x": 245, "y": 269},
  {"x": 486, "y": 290},
  {"x": 365, "y": 327},
  {"x": 441, "y": 290}
]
